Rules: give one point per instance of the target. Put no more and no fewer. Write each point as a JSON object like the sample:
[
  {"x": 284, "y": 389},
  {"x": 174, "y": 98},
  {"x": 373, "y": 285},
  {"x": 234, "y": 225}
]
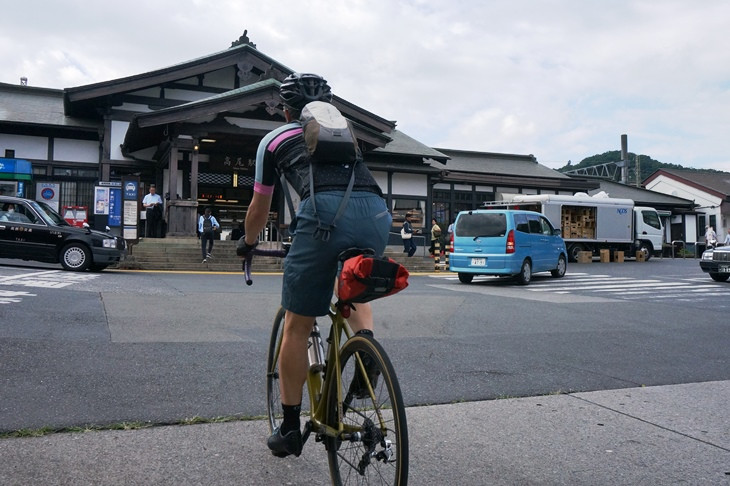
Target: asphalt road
[{"x": 98, "y": 349}]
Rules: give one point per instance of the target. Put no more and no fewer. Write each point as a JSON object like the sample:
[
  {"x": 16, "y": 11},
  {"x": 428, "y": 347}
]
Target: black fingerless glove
[{"x": 243, "y": 248}]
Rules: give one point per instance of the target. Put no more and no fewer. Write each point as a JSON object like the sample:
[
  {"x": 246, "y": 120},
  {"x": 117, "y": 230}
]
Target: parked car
[
  {"x": 716, "y": 262},
  {"x": 514, "y": 243},
  {"x": 32, "y": 230}
]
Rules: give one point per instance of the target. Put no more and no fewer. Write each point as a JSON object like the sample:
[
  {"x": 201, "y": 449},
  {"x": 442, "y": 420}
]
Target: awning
[{"x": 15, "y": 169}]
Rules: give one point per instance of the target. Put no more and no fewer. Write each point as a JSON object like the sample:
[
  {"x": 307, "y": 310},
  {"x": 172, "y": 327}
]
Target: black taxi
[
  {"x": 32, "y": 230},
  {"x": 716, "y": 262}
]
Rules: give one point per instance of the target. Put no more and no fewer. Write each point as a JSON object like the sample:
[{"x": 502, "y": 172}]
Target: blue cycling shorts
[{"x": 311, "y": 266}]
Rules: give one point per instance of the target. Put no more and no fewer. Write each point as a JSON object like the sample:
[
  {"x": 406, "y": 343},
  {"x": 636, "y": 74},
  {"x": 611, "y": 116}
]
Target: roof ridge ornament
[{"x": 243, "y": 40}]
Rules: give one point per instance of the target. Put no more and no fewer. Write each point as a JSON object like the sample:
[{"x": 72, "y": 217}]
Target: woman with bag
[{"x": 406, "y": 232}]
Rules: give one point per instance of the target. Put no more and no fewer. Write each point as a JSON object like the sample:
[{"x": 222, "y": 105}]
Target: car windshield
[
  {"x": 481, "y": 224},
  {"x": 48, "y": 214}
]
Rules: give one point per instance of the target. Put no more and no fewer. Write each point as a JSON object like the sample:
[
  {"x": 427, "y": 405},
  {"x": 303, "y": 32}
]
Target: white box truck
[{"x": 594, "y": 223}]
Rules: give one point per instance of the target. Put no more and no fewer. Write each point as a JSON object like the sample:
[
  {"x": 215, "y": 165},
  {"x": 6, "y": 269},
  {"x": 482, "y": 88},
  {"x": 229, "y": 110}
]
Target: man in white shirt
[{"x": 152, "y": 203}]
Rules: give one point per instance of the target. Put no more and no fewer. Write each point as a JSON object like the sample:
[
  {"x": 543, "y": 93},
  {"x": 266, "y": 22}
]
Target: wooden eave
[
  {"x": 356, "y": 113},
  {"x": 82, "y": 99},
  {"x": 88, "y": 100},
  {"x": 147, "y": 129}
]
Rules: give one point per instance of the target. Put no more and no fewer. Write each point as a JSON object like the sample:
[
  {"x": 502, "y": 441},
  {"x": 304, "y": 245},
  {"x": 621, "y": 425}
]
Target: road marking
[
  {"x": 52, "y": 279},
  {"x": 612, "y": 288},
  {"x": 24, "y": 275},
  {"x": 13, "y": 297}
]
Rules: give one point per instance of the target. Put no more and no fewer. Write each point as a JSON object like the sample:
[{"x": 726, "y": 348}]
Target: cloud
[{"x": 559, "y": 79}]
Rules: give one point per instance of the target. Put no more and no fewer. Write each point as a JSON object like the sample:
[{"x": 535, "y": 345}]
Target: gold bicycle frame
[{"x": 318, "y": 388}]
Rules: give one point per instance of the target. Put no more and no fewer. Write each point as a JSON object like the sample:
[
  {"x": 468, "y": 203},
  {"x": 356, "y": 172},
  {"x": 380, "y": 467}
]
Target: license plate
[
  {"x": 724, "y": 269},
  {"x": 478, "y": 262}
]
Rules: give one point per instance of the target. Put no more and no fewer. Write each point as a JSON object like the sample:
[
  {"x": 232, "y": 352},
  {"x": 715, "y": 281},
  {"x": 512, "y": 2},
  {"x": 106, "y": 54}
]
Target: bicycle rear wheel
[
  {"x": 376, "y": 449},
  {"x": 273, "y": 395}
]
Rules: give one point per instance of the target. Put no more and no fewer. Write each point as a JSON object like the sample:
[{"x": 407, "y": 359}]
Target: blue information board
[{"x": 115, "y": 207}]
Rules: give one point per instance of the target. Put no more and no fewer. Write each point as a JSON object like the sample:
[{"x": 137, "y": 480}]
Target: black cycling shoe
[
  {"x": 285, "y": 445},
  {"x": 358, "y": 386}
]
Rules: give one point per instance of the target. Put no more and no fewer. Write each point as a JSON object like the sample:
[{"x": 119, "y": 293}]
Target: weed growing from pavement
[{"x": 43, "y": 431}]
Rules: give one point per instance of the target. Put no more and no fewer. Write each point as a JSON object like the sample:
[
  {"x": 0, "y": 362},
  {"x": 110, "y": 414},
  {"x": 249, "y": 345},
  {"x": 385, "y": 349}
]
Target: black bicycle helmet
[{"x": 299, "y": 89}]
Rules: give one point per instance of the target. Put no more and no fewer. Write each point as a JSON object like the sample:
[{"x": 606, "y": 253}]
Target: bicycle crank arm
[{"x": 307, "y": 430}]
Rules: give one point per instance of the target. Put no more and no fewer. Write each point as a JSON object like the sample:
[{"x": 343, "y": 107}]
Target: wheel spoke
[{"x": 377, "y": 451}]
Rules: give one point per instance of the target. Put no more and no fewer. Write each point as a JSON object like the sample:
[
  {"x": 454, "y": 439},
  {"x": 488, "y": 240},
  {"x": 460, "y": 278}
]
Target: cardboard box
[
  {"x": 585, "y": 257},
  {"x": 618, "y": 256},
  {"x": 640, "y": 256},
  {"x": 605, "y": 256}
]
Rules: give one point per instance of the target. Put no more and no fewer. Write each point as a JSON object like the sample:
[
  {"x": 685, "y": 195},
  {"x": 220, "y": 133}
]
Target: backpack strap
[
  {"x": 325, "y": 231},
  {"x": 287, "y": 196}
]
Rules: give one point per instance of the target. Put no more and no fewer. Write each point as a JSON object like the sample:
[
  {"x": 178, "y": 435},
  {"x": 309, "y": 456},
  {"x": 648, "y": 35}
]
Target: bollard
[{"x": 437, "y": 256}]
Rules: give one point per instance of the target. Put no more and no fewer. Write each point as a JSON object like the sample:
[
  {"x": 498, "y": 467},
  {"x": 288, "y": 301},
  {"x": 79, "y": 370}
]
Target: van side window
[
  {"x": 535, "y": 226},
  {"x": 547, "y": 228},
  {"x": 521, "y": 224}
]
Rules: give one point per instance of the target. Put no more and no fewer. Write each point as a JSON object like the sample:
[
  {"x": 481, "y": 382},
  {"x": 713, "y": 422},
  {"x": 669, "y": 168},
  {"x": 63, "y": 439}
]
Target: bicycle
[{"x": 356, "y": 405}]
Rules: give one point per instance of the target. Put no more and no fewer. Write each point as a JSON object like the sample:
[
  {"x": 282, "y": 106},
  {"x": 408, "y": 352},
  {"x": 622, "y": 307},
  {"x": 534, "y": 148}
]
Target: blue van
[{"x": 506, "y": 242}]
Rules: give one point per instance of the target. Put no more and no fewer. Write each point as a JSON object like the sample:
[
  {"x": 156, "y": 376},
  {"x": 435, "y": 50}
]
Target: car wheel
[
  {"x": 560, "y": 270},
  {"x": 75, "y": 257},
  {"x": 720, "y": 277},
  {"x": 525, "y": 275},
  {"x": 465, "y": 277}
]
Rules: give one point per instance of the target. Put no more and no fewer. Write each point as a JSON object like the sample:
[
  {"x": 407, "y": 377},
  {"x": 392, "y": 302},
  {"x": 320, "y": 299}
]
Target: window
[
  {"x": 547, "y": 228},
  {"x": 403, "y": 206},
  {"x": 652, "y": 219},
  {"x": 521, "y": 223},
  {"x": 535, "y": 226},
  {"x": 18, "y": 214},
  {"x": 481, "y": 224}
]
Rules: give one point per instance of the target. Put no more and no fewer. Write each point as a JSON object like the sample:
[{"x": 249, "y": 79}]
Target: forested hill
[{"x": 647, "y": 165}]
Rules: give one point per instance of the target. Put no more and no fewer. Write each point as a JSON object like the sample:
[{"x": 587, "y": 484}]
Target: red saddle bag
[{"x": 366, "y": 277}]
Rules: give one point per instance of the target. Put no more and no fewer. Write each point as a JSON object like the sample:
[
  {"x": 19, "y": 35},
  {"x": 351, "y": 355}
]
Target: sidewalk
[{"x": 654, "y": 435}]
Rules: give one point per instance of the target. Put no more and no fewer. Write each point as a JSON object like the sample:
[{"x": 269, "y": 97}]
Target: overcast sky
[{"x": 562, "y": 80}]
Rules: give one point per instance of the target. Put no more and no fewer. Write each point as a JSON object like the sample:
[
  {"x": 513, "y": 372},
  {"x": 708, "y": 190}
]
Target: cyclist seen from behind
[{"x": 322, "y": 228}]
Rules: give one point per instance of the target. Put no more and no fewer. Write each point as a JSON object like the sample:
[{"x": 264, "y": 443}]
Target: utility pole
[{"x": 624, "y": 164}]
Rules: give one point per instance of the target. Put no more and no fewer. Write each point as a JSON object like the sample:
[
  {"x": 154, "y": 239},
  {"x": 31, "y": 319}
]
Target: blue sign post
[{"x": 129, "y": 208}]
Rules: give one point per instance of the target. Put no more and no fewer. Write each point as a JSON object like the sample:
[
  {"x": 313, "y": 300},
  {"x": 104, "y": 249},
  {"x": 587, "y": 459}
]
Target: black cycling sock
[
  {"x": 366, "y": 332},
  {"x": 291, "y": 418}
]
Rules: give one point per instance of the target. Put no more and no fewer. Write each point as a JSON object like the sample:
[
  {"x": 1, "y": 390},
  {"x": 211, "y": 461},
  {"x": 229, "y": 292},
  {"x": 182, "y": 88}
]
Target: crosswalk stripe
[{"x": 627, "y": 288}]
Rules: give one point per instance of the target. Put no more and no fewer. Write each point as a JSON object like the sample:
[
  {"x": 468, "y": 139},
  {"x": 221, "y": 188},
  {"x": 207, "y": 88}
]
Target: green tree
[{"x": 647, "y": 165}]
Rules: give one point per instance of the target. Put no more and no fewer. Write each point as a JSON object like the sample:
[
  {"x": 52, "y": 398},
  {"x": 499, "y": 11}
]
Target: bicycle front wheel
[
  {"x": 374, "y": 449},
  {"x": 273, "y": 395}
]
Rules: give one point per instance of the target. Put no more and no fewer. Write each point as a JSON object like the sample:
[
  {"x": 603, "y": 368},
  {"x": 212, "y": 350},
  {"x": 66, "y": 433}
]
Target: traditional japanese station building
[{"x": 193, "y": 130}]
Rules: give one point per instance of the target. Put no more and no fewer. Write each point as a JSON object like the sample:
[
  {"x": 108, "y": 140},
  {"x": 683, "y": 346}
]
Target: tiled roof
[
  {"x": 37, "y": 106},
  {"x": 499, "y": 164},
  {"x": 640, "y": 195},
  {"x": 715, "y": 181}
]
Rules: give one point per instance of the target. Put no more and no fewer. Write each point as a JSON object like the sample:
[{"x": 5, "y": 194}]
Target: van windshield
[{"x": 481, "y": 224}]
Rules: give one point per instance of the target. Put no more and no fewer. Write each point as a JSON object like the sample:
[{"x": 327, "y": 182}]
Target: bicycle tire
[
  {"x": 273, "y": 395},
  {"x": 377, "y": 457}
]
